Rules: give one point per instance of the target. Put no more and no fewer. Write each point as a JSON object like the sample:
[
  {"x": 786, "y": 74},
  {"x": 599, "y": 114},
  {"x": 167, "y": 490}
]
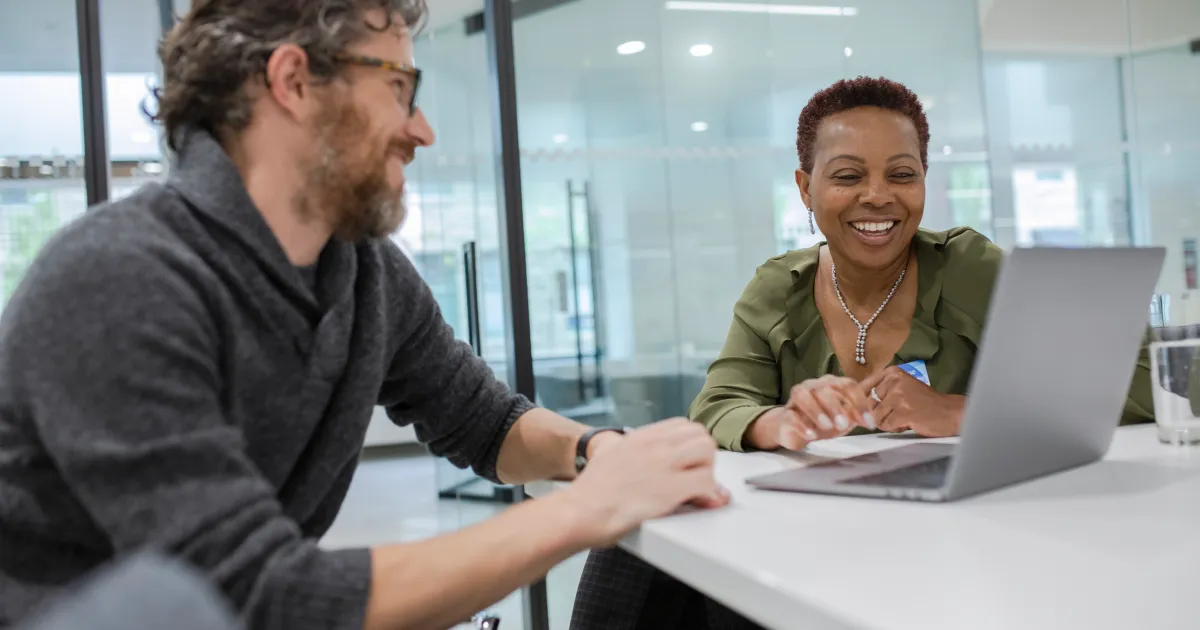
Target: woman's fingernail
[
  {"x": 843, "y": 423},
  {"x": 825, "y": 422},
  {"x": 810, "y": 434},
  {"x": 869, "y": 418}
]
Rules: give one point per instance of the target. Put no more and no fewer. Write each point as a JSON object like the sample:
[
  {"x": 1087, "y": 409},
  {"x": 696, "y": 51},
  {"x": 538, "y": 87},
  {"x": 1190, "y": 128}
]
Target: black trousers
[{"x": 618, "y": 591}]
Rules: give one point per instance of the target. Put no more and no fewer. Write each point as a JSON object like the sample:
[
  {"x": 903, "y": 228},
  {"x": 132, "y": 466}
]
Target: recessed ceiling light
[
  {"x": 699, "y": 126},
  {"x": 849, "y": 52},
  {"x": 153, "y": 168},
  {"x": 749, "y": 7},
  {"x": 560, "y": 138},
  {"x": 701, "y": 50},
  {"x": 631, "y": 48},
  {"x": 927, "y": 102},
  {"x": 947, "y": 150}
]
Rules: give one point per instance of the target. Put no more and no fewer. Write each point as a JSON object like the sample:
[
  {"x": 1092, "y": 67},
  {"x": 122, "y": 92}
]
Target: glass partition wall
[
  {"x": 657, "y": 143},
  {"x": 452, "y": 232},
  {"x": 1163, "y": 102},
  {"x": 656, "y": 158},
  {"x": 658, "y": 165},
  {"x": 41, "y": 165},
  {"x": 49, "y": 103}
]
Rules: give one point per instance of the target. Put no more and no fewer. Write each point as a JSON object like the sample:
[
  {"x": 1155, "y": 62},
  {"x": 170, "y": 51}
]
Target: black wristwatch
[{"x": 581, "y": 459}]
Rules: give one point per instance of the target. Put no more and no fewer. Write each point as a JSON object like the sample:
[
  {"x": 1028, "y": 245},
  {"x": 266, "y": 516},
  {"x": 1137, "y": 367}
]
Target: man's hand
[
  {"x": 906, "y": 403},
  {"x": 646, "y": 474},
  {"x": 817, "y": 409}
]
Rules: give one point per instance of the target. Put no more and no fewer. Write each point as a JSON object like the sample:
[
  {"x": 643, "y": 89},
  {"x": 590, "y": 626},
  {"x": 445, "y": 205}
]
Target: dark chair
[{"x": 618, "y": 591}]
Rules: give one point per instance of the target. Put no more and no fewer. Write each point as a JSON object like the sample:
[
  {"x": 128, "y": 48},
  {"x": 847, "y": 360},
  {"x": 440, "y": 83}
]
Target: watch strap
[{"x": 581, "y": 446}]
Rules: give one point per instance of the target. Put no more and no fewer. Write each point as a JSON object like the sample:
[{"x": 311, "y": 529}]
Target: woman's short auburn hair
[{"x": 861, "y": 92}]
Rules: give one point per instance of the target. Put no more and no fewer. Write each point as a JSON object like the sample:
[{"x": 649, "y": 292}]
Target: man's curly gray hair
[{"x": 214, "y": 52}]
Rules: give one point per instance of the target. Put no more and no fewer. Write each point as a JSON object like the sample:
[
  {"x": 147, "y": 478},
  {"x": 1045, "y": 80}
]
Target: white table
[{"x": 1112, "y": 545}]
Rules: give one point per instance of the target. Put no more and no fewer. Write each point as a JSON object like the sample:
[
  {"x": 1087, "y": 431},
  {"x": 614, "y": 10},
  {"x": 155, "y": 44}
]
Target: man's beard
[{"x": 347, "y": 183}]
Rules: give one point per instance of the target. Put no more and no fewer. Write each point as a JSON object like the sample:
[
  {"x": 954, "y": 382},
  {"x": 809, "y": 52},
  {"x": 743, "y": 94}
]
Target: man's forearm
[
  {"x": 541, "y": 445},
  {"x": 445, "y": 580}
]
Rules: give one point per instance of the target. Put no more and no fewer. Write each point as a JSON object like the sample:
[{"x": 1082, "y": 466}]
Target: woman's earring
[{"x": 811, "y": 226}]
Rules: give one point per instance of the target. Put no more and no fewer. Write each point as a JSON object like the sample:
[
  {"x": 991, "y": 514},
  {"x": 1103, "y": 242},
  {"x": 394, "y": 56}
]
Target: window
[{"x": 41, "y": 158}]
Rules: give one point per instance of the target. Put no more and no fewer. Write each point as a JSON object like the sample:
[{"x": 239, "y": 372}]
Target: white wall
[{"x": 1097, "y": 27}]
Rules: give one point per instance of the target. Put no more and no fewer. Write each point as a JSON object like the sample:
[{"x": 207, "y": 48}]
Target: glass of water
[{"x": 1175, "y": 383}]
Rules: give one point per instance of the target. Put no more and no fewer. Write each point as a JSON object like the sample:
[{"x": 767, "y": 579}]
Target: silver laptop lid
[{"x": 1058, "y": 353}]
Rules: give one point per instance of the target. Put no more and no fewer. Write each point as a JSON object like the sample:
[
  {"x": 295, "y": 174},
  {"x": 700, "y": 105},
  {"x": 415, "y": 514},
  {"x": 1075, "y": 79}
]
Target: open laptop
[{"x": 1048, "y": 387}]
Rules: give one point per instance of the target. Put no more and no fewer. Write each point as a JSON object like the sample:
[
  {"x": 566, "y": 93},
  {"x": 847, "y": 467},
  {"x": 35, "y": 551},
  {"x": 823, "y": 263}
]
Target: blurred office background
[{"x": 657, "y": 150}]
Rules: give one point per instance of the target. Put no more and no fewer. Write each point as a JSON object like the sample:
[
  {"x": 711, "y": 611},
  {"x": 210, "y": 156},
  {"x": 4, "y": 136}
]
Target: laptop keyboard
[{"x": 930, "y": 474}]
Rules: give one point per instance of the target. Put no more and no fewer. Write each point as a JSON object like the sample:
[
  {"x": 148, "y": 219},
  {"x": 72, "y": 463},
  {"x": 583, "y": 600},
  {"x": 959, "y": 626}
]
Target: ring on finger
[{"x": 875, "y": 396}]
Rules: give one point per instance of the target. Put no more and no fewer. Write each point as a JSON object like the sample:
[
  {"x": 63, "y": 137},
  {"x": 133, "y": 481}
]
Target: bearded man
[{"x": 191, "y": 370}]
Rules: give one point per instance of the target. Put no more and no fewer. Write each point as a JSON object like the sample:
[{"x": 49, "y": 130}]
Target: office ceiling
[
  {"x": 39, "y": 36},
  {"x": 1034, "y": 26},
  {"x": 1107, "y": 27}
]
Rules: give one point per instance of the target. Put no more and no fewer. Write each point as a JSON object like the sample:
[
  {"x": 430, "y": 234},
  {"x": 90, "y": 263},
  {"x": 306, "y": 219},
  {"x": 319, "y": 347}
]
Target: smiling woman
[{"x": 876, "y": 328}]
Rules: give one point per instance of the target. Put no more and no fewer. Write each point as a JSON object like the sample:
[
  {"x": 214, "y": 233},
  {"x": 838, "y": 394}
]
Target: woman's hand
[
  {"x": 905, "y": 403},
  {"x": 816, "y": 409}
]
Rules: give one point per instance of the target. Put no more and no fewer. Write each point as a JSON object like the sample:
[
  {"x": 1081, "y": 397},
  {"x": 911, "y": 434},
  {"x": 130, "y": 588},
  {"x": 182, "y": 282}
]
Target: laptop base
[{"x": 881, "y": 475}]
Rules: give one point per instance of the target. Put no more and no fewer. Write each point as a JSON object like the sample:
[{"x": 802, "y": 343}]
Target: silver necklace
[{"x": 860, "y": 350}]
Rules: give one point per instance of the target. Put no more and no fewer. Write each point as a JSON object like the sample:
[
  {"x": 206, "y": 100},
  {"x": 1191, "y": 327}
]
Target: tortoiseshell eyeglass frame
[{"x": 375, "y": 62}]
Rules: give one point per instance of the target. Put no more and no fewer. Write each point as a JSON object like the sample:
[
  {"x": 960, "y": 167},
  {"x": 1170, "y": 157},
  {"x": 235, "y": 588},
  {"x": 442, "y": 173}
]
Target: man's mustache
[{"x": 407, "y": 152}]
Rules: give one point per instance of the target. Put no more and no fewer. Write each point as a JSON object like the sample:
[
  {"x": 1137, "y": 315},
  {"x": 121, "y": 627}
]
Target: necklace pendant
[{"x": 860, "y": 346}]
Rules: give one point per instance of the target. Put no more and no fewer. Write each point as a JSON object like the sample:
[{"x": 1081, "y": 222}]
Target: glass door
[{"x": 452, "y": 233}]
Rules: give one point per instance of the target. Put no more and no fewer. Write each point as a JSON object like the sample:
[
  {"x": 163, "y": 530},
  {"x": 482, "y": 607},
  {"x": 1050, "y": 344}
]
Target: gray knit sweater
[{"x": 169, "y": 381}]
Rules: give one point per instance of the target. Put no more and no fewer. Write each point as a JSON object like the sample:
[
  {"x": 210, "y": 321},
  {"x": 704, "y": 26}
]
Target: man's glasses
[{"x": 409, "y": 90}]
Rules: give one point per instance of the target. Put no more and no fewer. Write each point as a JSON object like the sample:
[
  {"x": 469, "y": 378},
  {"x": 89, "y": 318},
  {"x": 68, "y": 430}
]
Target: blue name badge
[{"x": 917, "y": 370}]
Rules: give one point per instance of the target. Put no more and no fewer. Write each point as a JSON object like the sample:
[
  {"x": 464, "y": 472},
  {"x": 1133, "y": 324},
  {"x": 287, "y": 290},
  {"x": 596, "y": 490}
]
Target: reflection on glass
[
  {"x": 969, "y": 195},
  {"x": 681, "y": 165},
  {"x": 1164, "y": 104},
  {"x": 41, "y": 156},
  {"x": 452, "y": 203},
  {"x": 1058, "y": 150},
  {"x": 656, "y": 179},
  {"x": 129, "y": 36},
  {"x": 1046, "y": 199}
]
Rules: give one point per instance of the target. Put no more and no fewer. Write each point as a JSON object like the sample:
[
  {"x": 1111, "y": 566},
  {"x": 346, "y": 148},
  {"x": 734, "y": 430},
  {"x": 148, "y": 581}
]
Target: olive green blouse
[{"x": 778, "y": 339}]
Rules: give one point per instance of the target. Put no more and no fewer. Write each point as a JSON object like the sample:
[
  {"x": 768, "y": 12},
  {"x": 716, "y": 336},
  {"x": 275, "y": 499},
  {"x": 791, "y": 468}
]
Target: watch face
[{"x": 580, "y": 462}]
